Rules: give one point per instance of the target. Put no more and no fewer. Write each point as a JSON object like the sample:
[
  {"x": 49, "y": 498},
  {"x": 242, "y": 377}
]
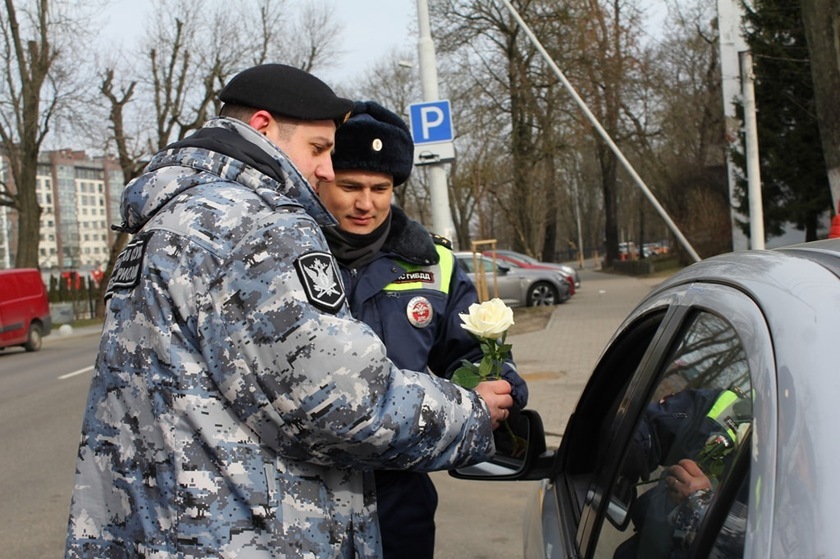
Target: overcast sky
[{"x": 372, "y": 28}]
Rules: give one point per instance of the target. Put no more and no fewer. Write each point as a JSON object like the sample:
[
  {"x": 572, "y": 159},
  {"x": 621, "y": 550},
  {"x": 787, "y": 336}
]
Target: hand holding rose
[
  {"x": 496, "y": 394},
  {"x": 684, "y": 478}
]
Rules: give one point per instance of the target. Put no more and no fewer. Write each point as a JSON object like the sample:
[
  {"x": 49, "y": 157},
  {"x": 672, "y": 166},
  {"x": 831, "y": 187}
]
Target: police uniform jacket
[
  {"x": 236, "y": 410},
  {"x": 412, "y": 294}
]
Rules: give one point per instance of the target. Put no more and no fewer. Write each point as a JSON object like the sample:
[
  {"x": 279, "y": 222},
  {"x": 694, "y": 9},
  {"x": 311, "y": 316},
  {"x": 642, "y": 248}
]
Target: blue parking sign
[{"x": 431, "y": 122}]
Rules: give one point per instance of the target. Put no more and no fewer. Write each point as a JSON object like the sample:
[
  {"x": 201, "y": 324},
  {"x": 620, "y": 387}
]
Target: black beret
[
  {"x": 374, "y": 139},
  {"x": 285, "y": 91}
]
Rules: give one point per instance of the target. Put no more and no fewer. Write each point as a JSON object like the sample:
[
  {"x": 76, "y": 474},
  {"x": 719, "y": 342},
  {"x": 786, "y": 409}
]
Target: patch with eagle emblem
[{"x": 319, "y": 275}]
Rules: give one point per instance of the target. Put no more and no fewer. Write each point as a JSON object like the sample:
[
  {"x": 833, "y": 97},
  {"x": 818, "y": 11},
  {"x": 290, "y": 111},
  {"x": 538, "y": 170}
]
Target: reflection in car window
[{"x": 682, "y": 449}]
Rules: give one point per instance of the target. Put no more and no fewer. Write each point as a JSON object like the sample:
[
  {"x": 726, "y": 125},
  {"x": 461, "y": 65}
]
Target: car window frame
[
  {"x": 653, "y": 316},
  {"x": 635, "y": 399},
  {"x": 678, "y": 304}
]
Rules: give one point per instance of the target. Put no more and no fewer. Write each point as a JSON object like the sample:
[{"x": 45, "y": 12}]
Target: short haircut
[{"x": 241, "y": 112}]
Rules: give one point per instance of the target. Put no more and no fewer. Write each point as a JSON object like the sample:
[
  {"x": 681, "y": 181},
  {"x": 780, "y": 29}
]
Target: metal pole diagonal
[{"x": 603, "y": 133}]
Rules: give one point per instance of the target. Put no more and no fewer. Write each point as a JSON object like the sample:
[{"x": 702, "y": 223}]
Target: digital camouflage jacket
[{"x": 236, "y": 409}]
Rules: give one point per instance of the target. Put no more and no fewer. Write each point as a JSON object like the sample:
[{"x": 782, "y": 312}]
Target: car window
[
  {"x": 468, "y": 264},
  {"x": 682, "y": 449},
  {"x": 591, "y": 427}
]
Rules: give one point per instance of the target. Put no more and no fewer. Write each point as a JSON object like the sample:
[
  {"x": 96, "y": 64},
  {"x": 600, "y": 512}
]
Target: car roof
[
  {"x": 755, "y": 268},
  {"x": 826, "y": 253}
]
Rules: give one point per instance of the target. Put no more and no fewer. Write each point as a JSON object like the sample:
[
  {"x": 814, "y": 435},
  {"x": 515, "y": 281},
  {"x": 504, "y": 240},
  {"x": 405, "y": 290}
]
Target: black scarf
[{"x": 353, "y": 250}]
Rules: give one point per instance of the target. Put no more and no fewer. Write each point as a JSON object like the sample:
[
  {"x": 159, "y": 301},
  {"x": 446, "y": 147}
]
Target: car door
[{"x": 684, "y": 386}]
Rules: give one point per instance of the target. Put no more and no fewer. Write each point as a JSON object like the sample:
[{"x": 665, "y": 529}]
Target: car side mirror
[
  {"x": 520, "y": 448},
  {"x": 620, "y": 504},
  {"x": 503, "y": 269}
]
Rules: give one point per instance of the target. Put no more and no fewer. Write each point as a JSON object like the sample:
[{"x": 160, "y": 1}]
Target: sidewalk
[{"x": 557, "y": 361}]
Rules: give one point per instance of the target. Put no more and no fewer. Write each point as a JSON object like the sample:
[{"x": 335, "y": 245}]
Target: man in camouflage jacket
[{"x": 236, "y": 408}]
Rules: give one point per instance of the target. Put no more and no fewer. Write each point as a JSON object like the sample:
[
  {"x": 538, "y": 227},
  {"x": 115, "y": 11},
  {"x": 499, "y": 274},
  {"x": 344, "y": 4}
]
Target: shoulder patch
[
  {"x": 319, "y": 276},
  {"x": 126, "y": 274},
  {"x": 442, "y": 241}
]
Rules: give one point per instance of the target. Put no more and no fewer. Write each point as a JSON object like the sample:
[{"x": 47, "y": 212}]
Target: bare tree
[
  {"x": 607, "y": 38},
  {"x": 315, "y": 38},
  {"x": 27, "y": 111},
  {"x": 189, "y": 53},
  {"x": 495, "y": 61},
  {"x": 678, "y": 142},
  {"x": 130, "y": 163}
]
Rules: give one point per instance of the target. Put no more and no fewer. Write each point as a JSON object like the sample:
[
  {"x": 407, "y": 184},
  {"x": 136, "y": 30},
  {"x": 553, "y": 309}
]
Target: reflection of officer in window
[{"x": 692, "y": 434}]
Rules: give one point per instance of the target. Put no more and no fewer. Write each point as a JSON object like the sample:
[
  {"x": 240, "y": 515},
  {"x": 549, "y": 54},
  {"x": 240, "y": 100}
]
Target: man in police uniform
[
  {"x": 405, "y": 284},
  {"x": 236, "y": 409},
  {"x": 686, "y": 432}
]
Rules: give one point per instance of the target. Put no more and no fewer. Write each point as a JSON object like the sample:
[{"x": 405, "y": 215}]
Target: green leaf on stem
[{"x": 467, "y": 377}]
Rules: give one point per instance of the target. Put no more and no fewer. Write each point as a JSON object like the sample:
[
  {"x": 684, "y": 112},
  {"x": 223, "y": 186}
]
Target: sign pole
[{"x": 441, "y": 217}]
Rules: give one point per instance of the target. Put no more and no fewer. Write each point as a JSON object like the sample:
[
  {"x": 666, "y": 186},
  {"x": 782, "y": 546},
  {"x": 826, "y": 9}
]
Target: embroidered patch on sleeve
[
  {"x": 319, "y": 276},
  {"x": 127, "y": 268}
]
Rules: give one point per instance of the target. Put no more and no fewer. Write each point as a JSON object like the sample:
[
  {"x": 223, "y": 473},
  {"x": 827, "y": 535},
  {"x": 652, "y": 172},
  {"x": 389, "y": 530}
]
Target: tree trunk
[
  {"x": 609, "y": 179},
  {"x": 24, "y": 128},
  {"x": 29, "y": 214},
  {"x": 822, "y": 32}
]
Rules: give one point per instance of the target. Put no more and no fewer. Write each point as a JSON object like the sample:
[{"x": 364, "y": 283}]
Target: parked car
[
  {"x": 707, "y": 428},
  {"x": 517, "y": 287},
  {"x": 525, "y": 261},
  {"x": 512, "y": 262},
  {"x": 24, "y": 309}
]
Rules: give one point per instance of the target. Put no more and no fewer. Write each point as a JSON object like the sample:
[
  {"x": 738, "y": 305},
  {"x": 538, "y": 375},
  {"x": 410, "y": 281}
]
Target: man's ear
[{"x": 260, "y": 121}]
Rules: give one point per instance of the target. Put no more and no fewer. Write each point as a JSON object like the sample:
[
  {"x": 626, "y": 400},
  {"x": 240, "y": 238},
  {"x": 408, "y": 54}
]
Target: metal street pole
[
  {"x": 751, "y": 152},
  {"x": 731, "y": 40},
  {"x": 441, "y": 217}
]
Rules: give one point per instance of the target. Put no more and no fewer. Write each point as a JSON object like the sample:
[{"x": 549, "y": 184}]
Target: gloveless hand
[{"x": 496, "y": 394}]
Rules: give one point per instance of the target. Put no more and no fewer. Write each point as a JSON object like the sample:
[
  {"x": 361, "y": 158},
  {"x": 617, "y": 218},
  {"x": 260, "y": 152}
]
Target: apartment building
[{"x": 79, "y": 198}]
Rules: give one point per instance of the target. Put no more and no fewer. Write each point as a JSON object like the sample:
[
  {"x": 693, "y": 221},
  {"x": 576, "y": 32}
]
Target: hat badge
[{"x": 377, "y": 144}]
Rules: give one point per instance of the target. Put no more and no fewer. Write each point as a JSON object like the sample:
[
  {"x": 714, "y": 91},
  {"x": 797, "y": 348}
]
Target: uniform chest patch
[
  {"x": 412, "y": 277},
  {"x": 319, "y": 277},
  {"x": 126, "y": 274},
  {"x": 419, "y": 311}
]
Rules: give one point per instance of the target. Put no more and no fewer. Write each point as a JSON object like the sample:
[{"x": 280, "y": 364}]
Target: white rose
[{"x": 489, "y": 320}]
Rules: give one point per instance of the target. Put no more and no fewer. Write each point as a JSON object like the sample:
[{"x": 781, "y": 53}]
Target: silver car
[
  {"x": 707, "y": 428},
  {"x": 517, "y": 287},
  {"x": 525, "y": 261}
]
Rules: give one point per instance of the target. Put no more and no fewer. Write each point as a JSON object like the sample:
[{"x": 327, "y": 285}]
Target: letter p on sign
[{"x": 431, "y": 122}]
